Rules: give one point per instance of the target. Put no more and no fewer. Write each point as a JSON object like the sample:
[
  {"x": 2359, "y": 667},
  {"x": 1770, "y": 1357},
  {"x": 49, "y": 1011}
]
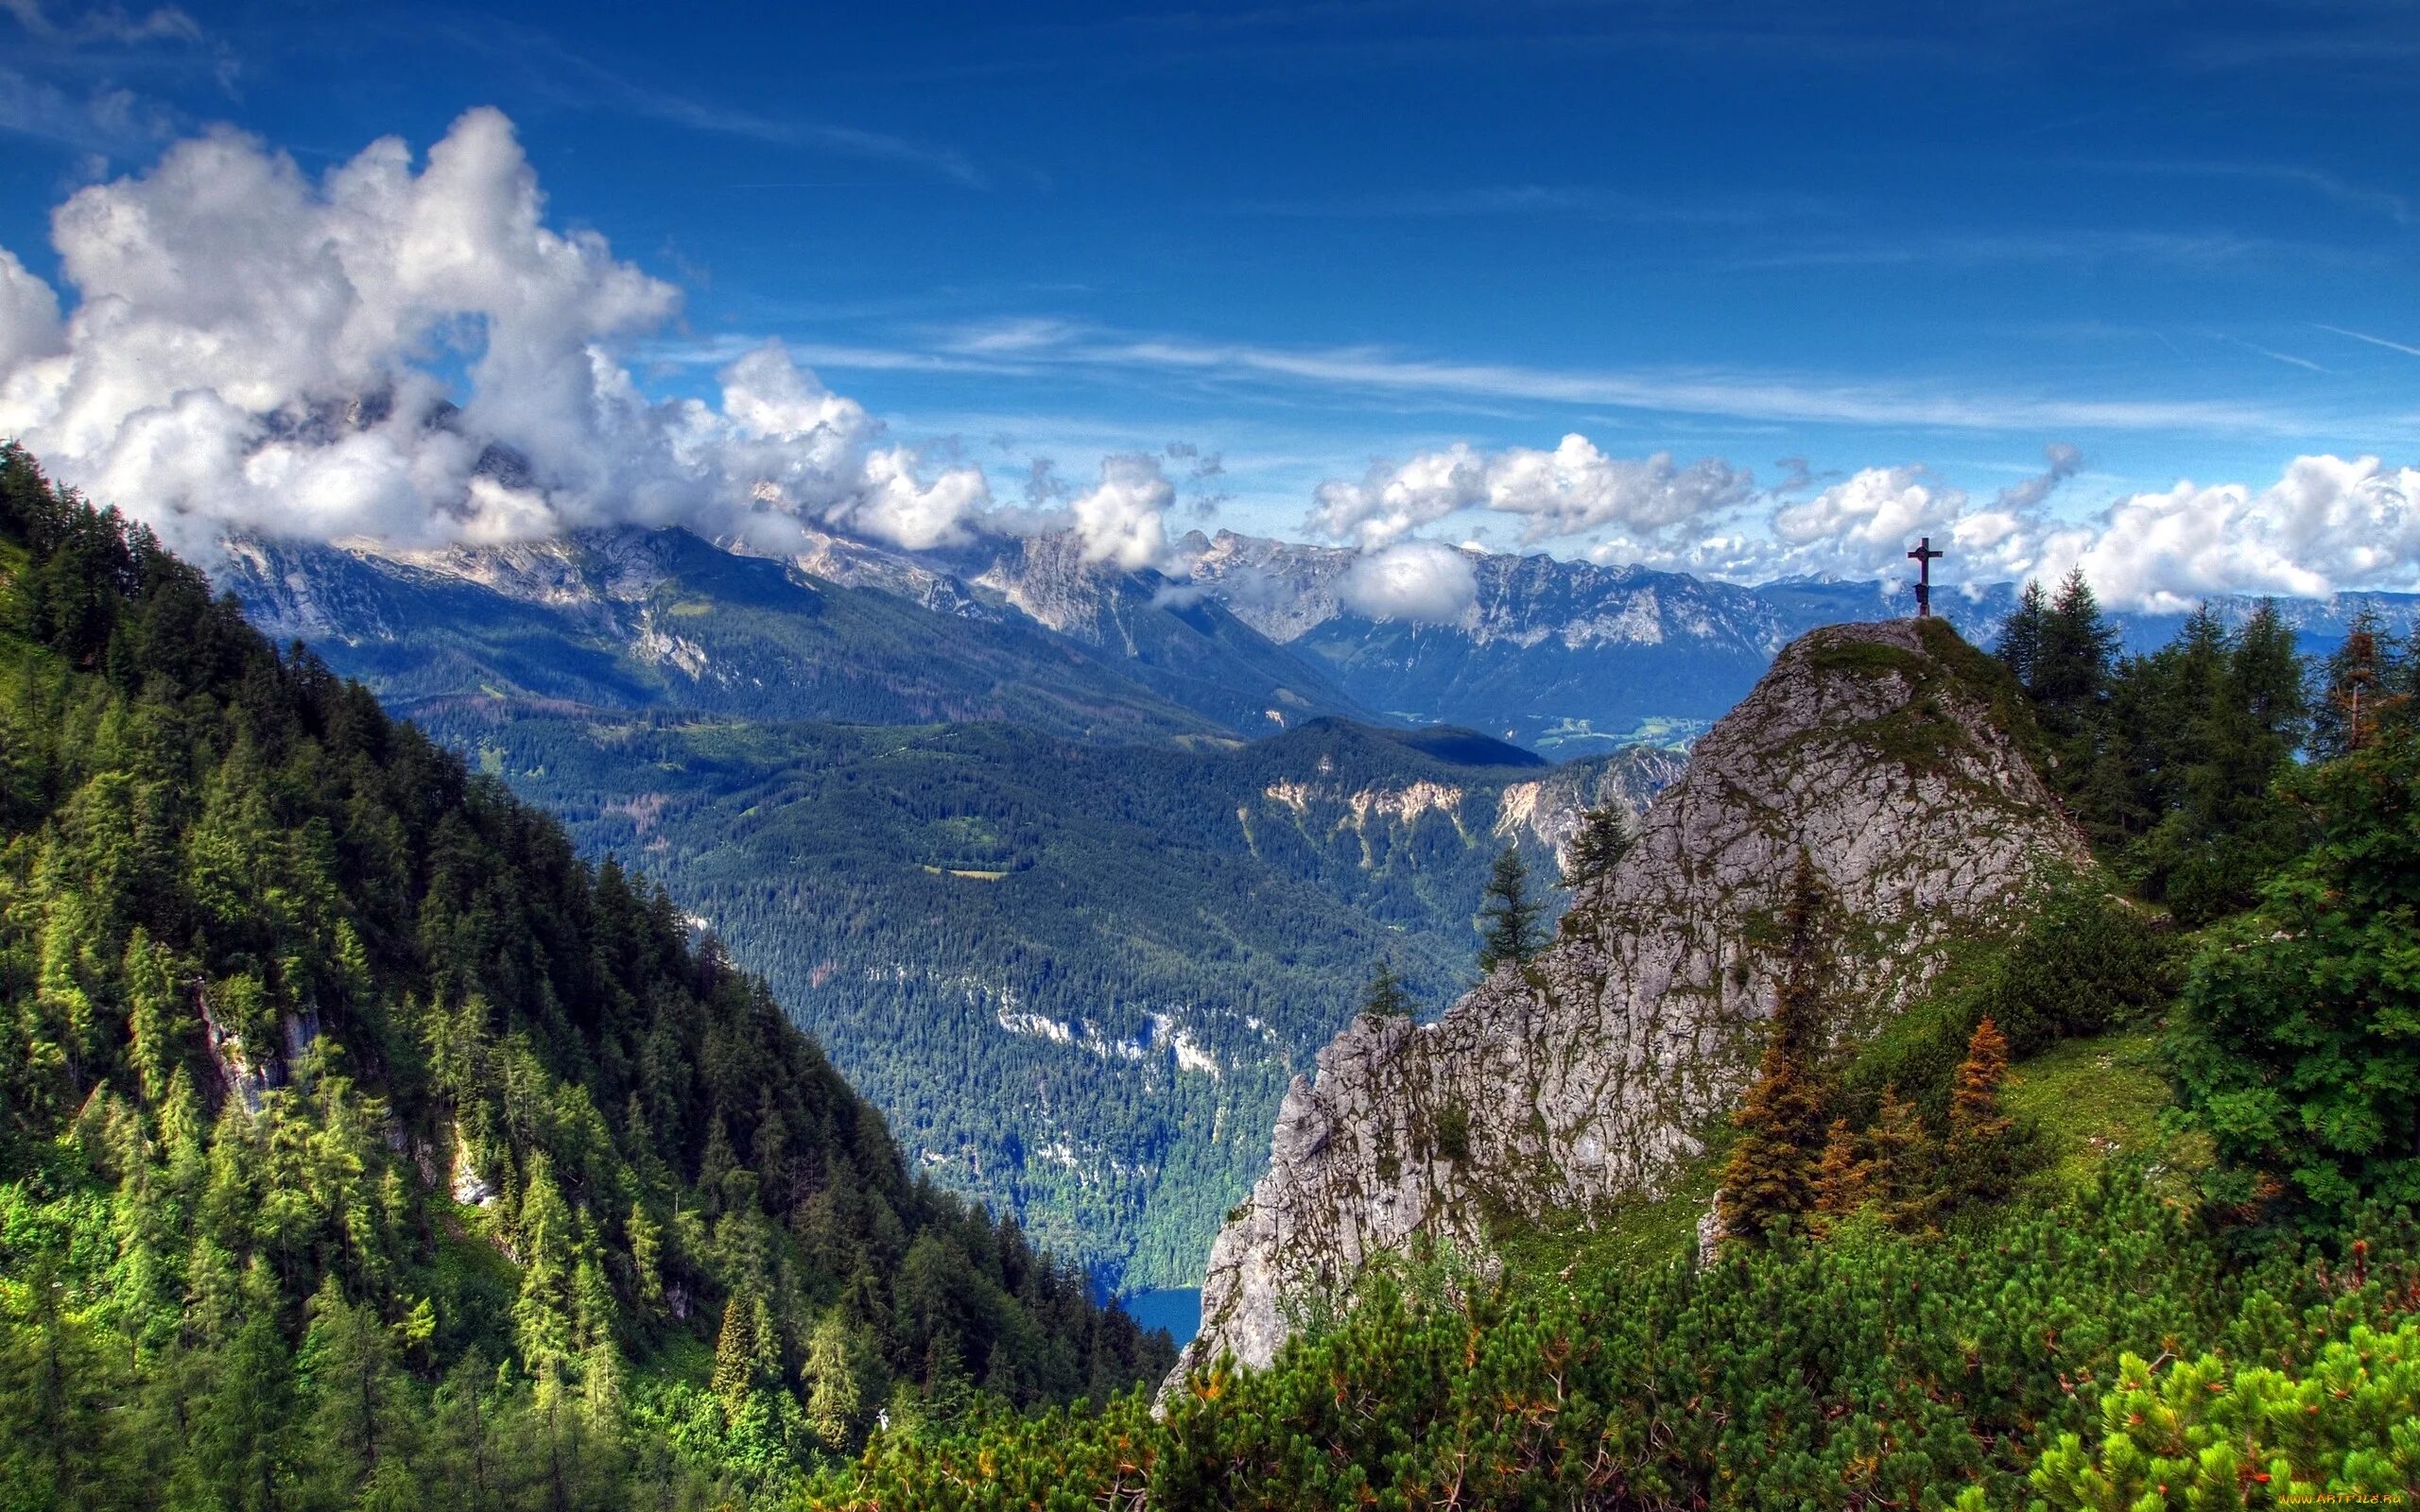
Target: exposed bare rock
[{"x": 1595, "y": 1071}]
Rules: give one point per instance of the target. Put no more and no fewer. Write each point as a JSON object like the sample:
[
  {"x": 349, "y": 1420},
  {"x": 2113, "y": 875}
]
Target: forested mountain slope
[
  {"x": 355, "y": 1135},
  {"x": 1075, "y": 975}
]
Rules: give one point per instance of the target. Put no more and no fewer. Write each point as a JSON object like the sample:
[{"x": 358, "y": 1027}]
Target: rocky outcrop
[{"x": 1595, "y": 1071}]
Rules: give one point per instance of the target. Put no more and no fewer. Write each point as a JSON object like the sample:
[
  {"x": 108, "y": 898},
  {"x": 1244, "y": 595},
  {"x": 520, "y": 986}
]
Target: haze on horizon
[{"x": 1741, "y": 291}]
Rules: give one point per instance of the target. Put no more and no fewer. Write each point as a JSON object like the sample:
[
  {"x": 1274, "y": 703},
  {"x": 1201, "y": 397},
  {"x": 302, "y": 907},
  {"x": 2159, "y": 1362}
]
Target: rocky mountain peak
[{"x": 1595, "y": 1071}]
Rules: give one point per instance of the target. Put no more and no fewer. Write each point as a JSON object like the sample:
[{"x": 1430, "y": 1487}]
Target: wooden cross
[{"x": 1924, "y": 557}]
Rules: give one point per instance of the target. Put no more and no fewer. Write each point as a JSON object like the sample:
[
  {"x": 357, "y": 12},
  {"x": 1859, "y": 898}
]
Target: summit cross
[{"x": 1924, "y": 557}]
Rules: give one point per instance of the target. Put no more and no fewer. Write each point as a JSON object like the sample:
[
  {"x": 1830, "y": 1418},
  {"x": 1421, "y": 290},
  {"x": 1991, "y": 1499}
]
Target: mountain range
[
  {"x": 1240, "y": 635},
  {"x": 1070, "y": 868}
]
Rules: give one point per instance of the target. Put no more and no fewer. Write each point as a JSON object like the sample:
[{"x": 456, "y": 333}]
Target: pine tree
[
  {"x": 1605, "y": 835},
  {"x": 1509, "y": 919},
  {"x": 349, "y": 1358},
  {"x": 2265, "y": 668},
  {"x": 543, "y": 1314},
  {"x": 2221, "y": 717},
  {"x": 1980, "y": 1154},
  {"x": 1385, "y": 997},
  {"x": 948, "y": 1392},
  {"x": 647, "y": 1253},
  {"x": 1771, "y": 1172}
]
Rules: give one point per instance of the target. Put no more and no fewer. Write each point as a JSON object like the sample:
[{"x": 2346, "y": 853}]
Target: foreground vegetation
[
  {"x": 360, "y": 1146},
  {"x": 2166, "y": 1260}
]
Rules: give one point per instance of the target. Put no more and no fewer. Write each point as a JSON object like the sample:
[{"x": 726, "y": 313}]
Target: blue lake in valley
[{"x": 1177, "y": 1309}]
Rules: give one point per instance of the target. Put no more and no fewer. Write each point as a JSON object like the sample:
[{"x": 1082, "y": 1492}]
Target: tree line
[{"x": 358, "y": 1142}]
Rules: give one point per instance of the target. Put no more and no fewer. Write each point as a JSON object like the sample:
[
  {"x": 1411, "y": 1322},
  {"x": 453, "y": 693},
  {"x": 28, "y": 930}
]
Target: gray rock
[{"x": 1595, "y": 1071}]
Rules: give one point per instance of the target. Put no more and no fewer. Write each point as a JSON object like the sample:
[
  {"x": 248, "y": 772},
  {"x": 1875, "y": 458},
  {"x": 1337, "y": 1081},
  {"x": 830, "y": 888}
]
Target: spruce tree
[
  {"x": 2072, "y": 660},
  {"x": 2356, "y": 688},
  {"x": 842, "y": 1379},
  {"x": 735, "y": 1349},
  {"x": 1842, "y": 1175},
  {"x": 1980, "y": 1154},
  {"x": 2221, "y": 717},
  {"x": 2019, "y": 646},
  {"x": 1509, "y": 921},
  {"x": 1771, "y": 1169},
  {"x": 1385, "y": 997},
  {"x": 1906, "y": 1164},
  {"x": 1604, "y": 836}
]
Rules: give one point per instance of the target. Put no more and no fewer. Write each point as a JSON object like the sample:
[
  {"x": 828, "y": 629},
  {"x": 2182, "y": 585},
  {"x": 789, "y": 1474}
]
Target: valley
[
  {"x": 1077, "y": 977},
  {"x": 1071, "y": 868}
]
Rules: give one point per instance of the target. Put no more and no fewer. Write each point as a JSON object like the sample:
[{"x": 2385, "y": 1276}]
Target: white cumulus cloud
[
  {"x": 1123, "y": 519},
  {"x": 2328, "y": 524},
  {"x": 1567, "y": 491},
  {"x": 1416, "y": 580},
  {"x": 29, "y": 325},
  {"x": 412, "y": 353}
]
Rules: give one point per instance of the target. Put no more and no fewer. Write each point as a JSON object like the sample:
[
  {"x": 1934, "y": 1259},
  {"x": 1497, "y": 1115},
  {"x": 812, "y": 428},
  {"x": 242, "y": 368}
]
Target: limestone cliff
[{"x": 1595, "y": 1071}]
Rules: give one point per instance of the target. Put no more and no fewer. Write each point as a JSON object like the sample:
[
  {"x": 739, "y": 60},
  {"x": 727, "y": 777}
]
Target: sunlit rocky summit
[{"x": 1594, "y": 1073}]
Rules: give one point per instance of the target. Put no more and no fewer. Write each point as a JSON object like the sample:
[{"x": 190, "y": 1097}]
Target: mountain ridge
[
  {"x": 1595, "y": 1071},
  {"x": 1241, "y": 633}
]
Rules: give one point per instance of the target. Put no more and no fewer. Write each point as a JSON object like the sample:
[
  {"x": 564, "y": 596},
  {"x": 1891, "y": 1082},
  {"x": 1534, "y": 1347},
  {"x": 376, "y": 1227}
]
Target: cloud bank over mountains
[
  {"x": 413, "y": 355},
  {"x": 408, "y": 352},
  {"x": 2328, "y": 523}
]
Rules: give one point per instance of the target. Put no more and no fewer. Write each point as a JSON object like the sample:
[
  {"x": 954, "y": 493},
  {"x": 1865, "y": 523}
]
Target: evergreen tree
[
  {"x": 1906, "y": 1164},
  {"x": 1604, "y": 836},
  {"x": 736, "y": 1350},
  {"x": 1386, "y": 998},
  {"x": 244, "y": 1428},
  {"x": 2019, "y": 647},
  {"x": 2296, "y": 1049},
  {"x": 2357, "y": 689},
  {"x": 1842, "y": 1174},
  {"x": 1771, "y": 1172},
  {"x": 1980, "y": 1155},
  {"x": 348, "y": 1358},
  {"x": 1509, "y": 919},
  {"x": 948, "y": 1393},
  {"x": 844, "y": 1376},
  {"x": 2222, "y": 716},
  {"x": 2072, "y": 659}
]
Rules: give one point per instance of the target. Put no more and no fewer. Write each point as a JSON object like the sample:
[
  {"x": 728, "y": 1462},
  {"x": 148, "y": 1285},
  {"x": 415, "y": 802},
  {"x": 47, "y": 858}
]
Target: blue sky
[{"x": 2179, "y": 237}]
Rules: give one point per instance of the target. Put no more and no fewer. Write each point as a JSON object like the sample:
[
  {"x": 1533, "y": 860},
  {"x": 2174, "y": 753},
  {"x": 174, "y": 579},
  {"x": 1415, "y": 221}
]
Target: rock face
[{"x": 1595, "y": 1071}]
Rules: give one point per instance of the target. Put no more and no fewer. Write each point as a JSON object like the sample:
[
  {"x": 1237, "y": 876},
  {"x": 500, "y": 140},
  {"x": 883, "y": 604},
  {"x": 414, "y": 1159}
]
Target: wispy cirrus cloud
[
  {"x": 2066, "y": 247},
  {"x": 2318, "y": 181},
  {"x": 103, "y": 23},
  {"x": 2272, "y": 353},
  {"x": 61, "y": 82},
  {"x": 571, "y": 80},
  {"x": 2376, "y": 341},
  {"x": 1731, "y": 394},
  {"x": 1575, "y": 201}
]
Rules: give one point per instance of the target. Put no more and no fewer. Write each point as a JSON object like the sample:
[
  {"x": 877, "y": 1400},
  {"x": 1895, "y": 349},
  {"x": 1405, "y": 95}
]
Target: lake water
[{"x": 1177, "y": 1309}]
